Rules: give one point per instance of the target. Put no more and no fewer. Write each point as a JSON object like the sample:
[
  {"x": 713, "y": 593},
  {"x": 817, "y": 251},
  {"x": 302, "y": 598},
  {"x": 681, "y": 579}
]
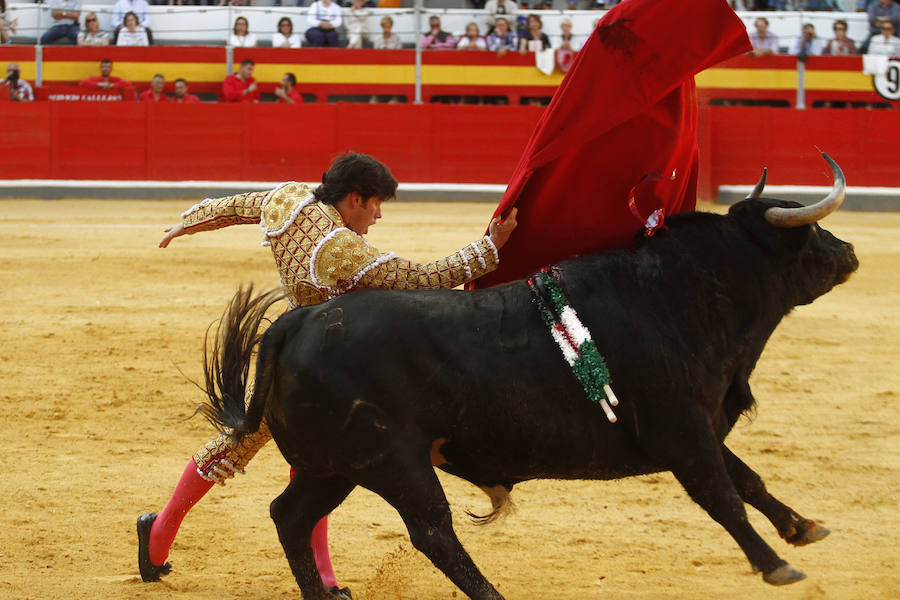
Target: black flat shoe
[
  {"x": 149, "y": 571},
  {"x": 342, "y": 593}
]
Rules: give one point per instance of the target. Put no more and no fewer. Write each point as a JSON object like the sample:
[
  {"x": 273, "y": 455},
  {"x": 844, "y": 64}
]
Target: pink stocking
[{"x": 191, "y": 487}]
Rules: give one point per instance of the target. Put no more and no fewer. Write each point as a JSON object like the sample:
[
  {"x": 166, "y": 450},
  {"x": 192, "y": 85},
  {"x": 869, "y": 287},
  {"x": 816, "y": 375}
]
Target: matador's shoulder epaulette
[
  {"x": 283, "y": 205},
  {"x": 341, "y": 259}
]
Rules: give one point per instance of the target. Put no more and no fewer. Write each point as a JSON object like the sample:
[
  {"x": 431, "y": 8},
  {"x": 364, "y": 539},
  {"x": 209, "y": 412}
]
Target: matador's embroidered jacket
[{"x": 319, "y": 258}]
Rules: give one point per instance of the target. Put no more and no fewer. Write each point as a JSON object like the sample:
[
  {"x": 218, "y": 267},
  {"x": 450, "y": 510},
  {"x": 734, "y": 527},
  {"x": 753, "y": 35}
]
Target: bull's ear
[
  {"x": 748, "y": 208},
  {"x": 750, "y": 214}
]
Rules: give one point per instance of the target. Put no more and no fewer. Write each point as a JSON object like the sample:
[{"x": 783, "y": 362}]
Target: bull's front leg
[
  {"x": 687, "y": 445},
  {"x": 790, "y": 525}
]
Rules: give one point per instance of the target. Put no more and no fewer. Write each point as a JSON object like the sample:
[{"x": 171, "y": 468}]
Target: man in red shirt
[
  {"x": 155, "y": 93},
  {"x": 241, "y": 87},
  {"x": 181, "y": 93},
  {"x": 288, "y": 91},
  {"x": 105, "y": 81}
]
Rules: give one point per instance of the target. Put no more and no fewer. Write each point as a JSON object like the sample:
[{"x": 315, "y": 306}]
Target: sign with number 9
[{"x": 888, "y": 84}]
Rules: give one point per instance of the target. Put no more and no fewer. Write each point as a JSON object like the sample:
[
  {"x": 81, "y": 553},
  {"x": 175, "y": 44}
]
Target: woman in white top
[
  {"x": 567, "y": 39},
  {"x": 323, "y": 18},
  {"x": 285, "y": 36},
  {"x": 240, "y": 34},
  {"x": 132, "y": 33},
  {"x": 472, "y": 40},
  {"x": 388, "y": 40},
  {"x": 91, "y": 34}
]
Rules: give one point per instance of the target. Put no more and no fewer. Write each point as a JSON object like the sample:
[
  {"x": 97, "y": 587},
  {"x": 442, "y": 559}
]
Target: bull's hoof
[
  {"x": 783, "y": 575},
  {"x": 811, "y": 532},
  {"x": 149, "y": 571}
]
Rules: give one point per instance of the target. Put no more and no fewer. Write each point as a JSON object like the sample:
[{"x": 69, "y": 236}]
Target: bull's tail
[
  {"x": 226, "y": 363},
  {"x": 501, "y": 505}
]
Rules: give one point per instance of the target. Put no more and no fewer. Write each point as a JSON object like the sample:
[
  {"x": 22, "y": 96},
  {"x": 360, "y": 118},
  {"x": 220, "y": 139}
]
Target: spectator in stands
[
  {"x": 564, "y": 55},
  {"x": 472, "y": 40},
  {"x": 132, "y": 32},
  {"x": 155, "y": 93},
  {"x": 181, "y": 93},
  {"x": 105, "y": 81},
  {"x": 19, "y": 89},
  {"x": 138, "y": 7},
  {"x": 91, "y": 34},
  {"x": 887, "y": 43},
  {"x": 241, "y": 87},
  {"x": 388, "y": 40},
  {"x": 7, "y": 26},
  {"x": 240, "y": 34},
  {"x": 356, "y": 24},
  {"x": 841, "y": 44},
  {"x": 764, "y": 41},
  {"x": 502, "y": 40},
  {"x": 285, "y": 36},
  {"x": 323, "y": 18},
  {"x": 567, "y": 39},
  {"x": 65, "y": 14},
  {"x": 436, "y": 38},
  {"x": 288, "y": 91},
  {"x": 880, "y": 12},
  {"x": 807, "y": 43},
  {"x": 535, "y": 34},
  {"x": 495, "y": 8}
]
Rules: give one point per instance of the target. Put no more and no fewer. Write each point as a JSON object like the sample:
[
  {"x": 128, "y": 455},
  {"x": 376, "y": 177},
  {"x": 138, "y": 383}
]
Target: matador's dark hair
[{"x": 360, "y": 173}]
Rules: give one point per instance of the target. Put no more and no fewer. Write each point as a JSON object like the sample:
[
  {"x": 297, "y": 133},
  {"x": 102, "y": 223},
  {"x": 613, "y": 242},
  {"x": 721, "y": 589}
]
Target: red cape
[{"x": 625, "y": 110}]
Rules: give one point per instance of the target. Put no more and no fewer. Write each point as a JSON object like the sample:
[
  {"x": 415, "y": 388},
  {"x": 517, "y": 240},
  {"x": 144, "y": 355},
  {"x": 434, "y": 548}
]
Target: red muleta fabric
[{"x": 624, "y": 119}]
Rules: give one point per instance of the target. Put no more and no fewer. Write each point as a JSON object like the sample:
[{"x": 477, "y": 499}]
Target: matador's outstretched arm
[{"x": 215, "y": 213}]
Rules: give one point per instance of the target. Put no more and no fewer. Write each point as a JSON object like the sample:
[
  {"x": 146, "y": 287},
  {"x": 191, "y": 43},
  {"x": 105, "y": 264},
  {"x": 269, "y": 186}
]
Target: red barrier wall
[
  {"x": 261, "y": 142},
  {"x": 425, "y": 143},
  {"x": 737, "y": 142}
]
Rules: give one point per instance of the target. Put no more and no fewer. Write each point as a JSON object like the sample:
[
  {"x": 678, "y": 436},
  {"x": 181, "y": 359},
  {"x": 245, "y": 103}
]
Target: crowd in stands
[
  {"x": 509, "y": 26},
  {"x": 343, "y": 23},
  {"x": 239, "y": 87},
  {"x": 884, "y": 22}
]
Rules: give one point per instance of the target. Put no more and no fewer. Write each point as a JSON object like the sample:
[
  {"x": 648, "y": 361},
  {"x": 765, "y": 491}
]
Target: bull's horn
[
  {"x": 806, "y": 215},
  {"x": 758, "y": 188}
]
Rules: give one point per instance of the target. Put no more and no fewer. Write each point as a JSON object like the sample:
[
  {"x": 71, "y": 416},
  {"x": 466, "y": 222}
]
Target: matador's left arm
[{"x": 346, "y": 262}]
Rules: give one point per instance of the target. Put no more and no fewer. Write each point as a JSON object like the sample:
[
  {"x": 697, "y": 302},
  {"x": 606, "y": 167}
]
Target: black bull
[{"x": 375, "y": 387}]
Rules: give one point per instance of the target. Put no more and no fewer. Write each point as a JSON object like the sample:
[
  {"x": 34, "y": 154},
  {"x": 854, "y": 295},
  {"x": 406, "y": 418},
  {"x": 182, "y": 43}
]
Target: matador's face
[{"x": 361, "y": 214}]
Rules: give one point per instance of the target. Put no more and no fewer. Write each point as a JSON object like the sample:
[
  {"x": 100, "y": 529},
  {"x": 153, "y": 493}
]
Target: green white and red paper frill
[{"x": 574, "y": 340}]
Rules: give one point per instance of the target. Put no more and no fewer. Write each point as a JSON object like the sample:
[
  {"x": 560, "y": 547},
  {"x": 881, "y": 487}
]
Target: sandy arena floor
[{"x": 97, "y": 321}]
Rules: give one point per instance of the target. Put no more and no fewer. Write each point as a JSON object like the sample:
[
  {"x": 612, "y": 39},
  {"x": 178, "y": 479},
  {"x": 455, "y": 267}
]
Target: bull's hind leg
[
  {"x": 791, "y": 526},
  {"x": 413, "y": 489},
  {"x": 694, "y": 456},
  {"x": 295, "y": 512}
]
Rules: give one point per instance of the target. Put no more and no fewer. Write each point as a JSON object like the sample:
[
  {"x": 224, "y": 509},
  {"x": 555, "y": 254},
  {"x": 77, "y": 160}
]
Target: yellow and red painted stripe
[{"x": 326, "y": 70}]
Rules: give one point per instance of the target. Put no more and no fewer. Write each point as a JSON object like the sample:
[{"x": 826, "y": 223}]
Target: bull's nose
[
  {"x": 851, "y": 257},
  {"x": 851, "y": 264}
]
